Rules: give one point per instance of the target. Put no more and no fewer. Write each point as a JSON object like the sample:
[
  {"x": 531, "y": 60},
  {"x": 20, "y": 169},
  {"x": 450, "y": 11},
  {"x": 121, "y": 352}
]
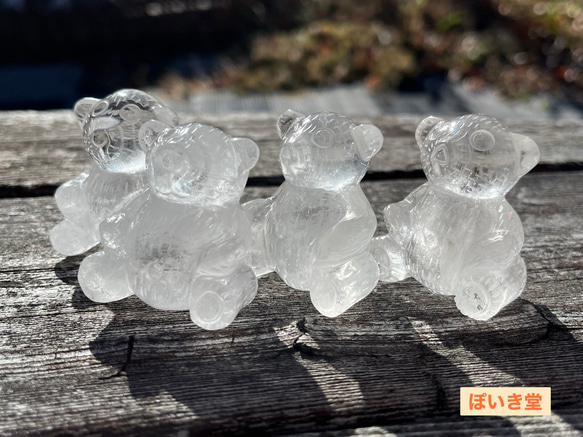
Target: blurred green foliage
[
  {"x": 325, "y": 53},
  {"x": 522, "y": 46}
]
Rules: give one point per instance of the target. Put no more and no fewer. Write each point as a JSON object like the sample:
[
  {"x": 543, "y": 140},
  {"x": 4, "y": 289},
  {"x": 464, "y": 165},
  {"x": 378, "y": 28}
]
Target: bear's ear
[
  {"x": 84, "y": 107},
  {"x": 148, "y": 133},
  {"x": 166, "y": 115},
  {"x": 369, "y": 140},
  {"x": 248, "y": 153},
  {"x": 424, "y": 127},
  {"x": 529, "y": 153},
  {"x": 285, "y": 121}
]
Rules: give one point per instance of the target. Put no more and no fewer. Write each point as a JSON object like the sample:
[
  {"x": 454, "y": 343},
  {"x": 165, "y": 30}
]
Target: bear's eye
[
  {"x": 130, "y": 113},
  {"x": 323, "y": 138},
  {"x": 100, "y": 108},
  {"x": 100, "y": 138},
  {"x": 171, "y": 160},
  {"x": 440, "y": 154},
  {"x": 482, "y": 140}
]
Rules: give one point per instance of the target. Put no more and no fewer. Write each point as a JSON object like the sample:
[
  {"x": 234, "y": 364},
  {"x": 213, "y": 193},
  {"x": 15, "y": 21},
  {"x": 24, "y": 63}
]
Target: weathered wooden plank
[
  {"x": 395, "y": 361},
  {"x": 44, "y": 148}
]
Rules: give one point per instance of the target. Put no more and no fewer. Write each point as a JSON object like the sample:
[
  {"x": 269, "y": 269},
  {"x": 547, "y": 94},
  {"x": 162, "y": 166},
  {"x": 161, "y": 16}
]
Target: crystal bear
[
  {"x": 110, "y": 136},
  {"x": 457, "y": 234},
  {"x": 315, "y": 230},
  {"x": 182, "y": 243}
]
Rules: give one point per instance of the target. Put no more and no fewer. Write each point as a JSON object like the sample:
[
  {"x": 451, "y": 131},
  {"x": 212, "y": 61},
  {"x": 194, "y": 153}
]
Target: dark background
[{"x": 55, "y": 51}]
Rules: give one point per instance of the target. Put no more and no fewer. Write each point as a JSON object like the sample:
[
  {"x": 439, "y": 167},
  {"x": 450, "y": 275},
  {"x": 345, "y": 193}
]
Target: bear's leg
[
  {"x": 104, "y": 279},
  {"x": 257, "y": 257},
  {"x": 161, "y": 283},
  {"x": 217, "y": 301},
  {"x": 70, "y": 239},
  {"x": 482, "y": 294},
  {"x": 390, "y": 257},
  {"x": 515, "y": 279},
  {"x": 334, "y": 289}
]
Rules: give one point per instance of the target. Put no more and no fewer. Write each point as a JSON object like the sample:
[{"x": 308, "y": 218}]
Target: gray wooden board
[
  {"x": 392, "y": 364},
  {"x": 44, "y": 148}
]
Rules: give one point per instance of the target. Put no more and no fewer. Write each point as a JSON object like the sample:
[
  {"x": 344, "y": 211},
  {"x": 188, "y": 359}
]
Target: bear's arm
[
  {"x": 352, "y": 234},
  {"x": 502, "y": 238},
  {"x": 229, "y": 244},
  {"x": 256, "y": 211},
  {"x": 115, "y": 229},
  {"x": 398, "y": 215},
  {"x": 70, "y": 197}
]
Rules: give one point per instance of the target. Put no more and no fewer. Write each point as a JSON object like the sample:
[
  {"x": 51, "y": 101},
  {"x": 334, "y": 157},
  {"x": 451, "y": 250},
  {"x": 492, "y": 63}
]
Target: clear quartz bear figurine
[
  {"x": 181, "y": 244},
  {"x": 457, "y": 234},
  {"x": 110, "y": 136},
  {"x": 315, "y": 230}
]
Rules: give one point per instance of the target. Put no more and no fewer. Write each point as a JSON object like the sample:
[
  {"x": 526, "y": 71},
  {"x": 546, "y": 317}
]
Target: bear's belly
[
  {"x": 298, "y": 217},
  {"x": 444, "y": 229},
  {"x": 166, "y": 245}
]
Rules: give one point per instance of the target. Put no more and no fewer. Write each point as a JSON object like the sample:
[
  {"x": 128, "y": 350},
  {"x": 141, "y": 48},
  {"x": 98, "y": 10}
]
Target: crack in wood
[{"x": 122, "y": 370}]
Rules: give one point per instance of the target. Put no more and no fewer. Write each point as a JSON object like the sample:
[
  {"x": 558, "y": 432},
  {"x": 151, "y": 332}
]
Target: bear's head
[
  {"x": 196, "y": 164},
  {"x": 474, "y": 155},
  {"x": 111, "y": 125},
  {"x": 325, "y": 150}
]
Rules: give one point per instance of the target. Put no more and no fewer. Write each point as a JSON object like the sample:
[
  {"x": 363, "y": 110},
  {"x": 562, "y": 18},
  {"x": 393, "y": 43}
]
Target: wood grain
[
  {"x": 39, "y": 149},
  {"x": 392, "y": 364}
]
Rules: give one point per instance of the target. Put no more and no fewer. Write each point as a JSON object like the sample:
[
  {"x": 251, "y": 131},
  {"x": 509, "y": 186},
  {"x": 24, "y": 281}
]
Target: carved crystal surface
[
  {"x": 181, "y": 243},
  {"x": 457, "y": 234},
  {"x": 110, "y": 135},
  {"x": 314, "y": 231}
]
